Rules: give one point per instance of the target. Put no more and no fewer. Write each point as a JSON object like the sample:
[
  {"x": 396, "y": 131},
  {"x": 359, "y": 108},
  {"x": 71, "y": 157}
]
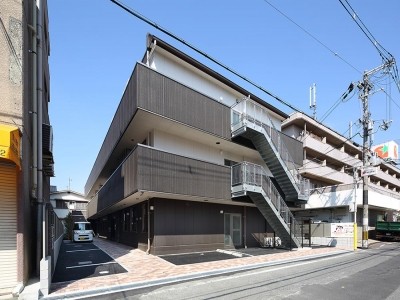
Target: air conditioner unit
[{"x": 47, "y": 139}]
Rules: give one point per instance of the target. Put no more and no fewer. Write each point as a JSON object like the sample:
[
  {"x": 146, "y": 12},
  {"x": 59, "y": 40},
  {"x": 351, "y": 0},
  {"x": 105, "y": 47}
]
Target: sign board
[
  {"x": 342, "y": 229},
  {"x": 10, "y": 140},
  {"x": 368, "y": 171},
  {"x": 387, "y": 150}
]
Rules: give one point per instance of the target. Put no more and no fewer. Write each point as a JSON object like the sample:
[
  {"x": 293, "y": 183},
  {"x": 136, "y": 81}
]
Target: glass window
[{"x": 82, "y": 226}]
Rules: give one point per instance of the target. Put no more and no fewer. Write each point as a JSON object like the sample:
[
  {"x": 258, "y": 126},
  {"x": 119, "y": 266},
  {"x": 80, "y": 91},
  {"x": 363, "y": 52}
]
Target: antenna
[
  {"x": 313, "y": 99},
  {"x": 350, "y": 130}
]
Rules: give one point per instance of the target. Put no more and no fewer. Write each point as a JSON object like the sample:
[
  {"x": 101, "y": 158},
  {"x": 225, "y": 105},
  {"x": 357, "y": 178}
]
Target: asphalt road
[
  {"x": 373, "y": 273},
  {"x": 81, "y": 260}
]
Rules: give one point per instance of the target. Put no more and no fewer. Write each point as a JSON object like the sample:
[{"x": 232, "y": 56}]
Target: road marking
[
  {"x": 104, "y": 272},
  {"x": 83, "y": 250},
  {"x": 107, "y": 263},
  {"x": 85, "y": 262}
]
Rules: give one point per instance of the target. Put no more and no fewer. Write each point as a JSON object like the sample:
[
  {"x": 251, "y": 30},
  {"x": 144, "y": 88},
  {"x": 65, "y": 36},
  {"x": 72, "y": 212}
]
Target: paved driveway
[{"x": 83, "y": 260}]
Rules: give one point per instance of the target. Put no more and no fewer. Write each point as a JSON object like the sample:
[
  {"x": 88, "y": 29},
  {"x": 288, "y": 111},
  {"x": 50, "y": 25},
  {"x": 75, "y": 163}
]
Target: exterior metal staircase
[
  {"x": 251, "y": 180},
  {"x": 252, "y": 121}
]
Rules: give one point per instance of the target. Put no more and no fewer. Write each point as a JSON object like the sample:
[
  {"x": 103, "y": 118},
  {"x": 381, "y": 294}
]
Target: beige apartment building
[{"x": 332, "y": 162}]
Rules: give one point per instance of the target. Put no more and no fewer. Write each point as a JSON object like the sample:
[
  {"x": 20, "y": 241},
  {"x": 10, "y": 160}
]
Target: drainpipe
[
  {"x": 40, "y": 119},
  {"x": 148, "y": 228},
  {"x": 35, "y": 137}
]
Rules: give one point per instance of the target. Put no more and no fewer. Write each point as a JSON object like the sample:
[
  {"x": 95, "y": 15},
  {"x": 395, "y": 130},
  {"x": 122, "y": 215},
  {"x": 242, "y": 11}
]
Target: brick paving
[{"x": 142, "y": 267}]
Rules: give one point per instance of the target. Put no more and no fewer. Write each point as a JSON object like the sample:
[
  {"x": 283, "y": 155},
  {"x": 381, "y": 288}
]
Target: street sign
[{"x": 368, "y": 171}]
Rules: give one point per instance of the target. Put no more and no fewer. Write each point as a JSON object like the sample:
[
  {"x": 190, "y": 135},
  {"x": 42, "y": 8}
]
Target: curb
[{"x": 192, "y": 276}]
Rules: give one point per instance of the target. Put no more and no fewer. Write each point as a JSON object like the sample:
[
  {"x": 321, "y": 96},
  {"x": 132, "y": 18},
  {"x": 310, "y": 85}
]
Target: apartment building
[
  {"x": 193, "y": 162},
  {"x": 26, "y": 161},
  {"x": 331, "y": 163}
]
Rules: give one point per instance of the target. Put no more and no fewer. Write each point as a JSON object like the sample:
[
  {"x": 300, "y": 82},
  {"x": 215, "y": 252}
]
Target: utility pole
[{"x": 365, "y": 86}]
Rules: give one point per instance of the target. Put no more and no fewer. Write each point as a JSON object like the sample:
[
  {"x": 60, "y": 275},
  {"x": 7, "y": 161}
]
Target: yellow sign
[{"x": 10, "y": 140}]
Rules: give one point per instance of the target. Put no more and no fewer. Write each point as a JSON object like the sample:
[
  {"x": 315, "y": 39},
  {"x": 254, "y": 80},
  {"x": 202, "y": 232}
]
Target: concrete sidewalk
[{"x": 148, "y": 270}]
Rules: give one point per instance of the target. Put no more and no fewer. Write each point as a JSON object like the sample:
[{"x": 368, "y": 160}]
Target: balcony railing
[
  {"x": 250, "y": 113},
  {"x": 254, "y": 175}
]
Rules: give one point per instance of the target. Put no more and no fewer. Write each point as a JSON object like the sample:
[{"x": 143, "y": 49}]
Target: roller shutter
[{"x": 8, "y": 226}]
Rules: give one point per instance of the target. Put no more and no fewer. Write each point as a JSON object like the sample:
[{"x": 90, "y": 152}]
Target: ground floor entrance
[{"x": 233, "y": 230}]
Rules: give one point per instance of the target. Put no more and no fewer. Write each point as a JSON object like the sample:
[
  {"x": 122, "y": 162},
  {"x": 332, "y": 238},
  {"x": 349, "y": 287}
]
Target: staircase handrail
[
  {"x": 274, "y": 134},
  {"x": 255, "y": 175}
]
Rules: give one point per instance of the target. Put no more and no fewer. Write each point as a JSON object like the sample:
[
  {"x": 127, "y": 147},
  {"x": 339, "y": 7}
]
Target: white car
[{"x": 83, "y": 232}]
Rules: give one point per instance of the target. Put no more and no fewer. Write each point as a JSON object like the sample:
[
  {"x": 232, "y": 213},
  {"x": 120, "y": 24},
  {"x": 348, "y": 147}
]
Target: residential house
[{"x": 66, "y": 201}]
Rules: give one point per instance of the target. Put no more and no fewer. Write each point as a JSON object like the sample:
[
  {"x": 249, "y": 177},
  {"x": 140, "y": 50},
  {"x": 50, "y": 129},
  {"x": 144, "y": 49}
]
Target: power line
[
  {"x": 340, "y": 100},
  {"x": 312, "y": 36},
  {"x": 365, "y": 30},
  {"x": 170, "y": 34}
]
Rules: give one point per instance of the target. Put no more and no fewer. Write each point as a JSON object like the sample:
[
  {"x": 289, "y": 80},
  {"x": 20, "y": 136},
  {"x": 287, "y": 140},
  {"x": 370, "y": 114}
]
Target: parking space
[
  {"x": 83, "y": 260},
  {"x": 208, "y": 256},
  {"x": 197, "y": 257}
]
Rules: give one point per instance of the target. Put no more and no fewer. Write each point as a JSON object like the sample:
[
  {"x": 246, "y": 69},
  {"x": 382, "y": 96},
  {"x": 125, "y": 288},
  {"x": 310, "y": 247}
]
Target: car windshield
[{"x": 82, "y": 226}]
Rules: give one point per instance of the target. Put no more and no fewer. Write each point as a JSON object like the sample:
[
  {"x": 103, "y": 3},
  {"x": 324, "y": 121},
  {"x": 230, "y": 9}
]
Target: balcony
[
  {"x": 319, "y": 171},
  {"x": 162, "y": 174},
  {"x": 326, "y": 151},
  {"x": 150, "y": 100}
]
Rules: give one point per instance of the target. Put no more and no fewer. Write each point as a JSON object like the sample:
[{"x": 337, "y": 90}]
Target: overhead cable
[
  {"x": 170, "y": 34},
  {"x": 313, "y": 37}
]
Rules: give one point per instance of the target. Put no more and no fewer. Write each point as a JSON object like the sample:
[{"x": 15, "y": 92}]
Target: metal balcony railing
[
  {"x": 254, "y": 175},
  {"x": 250, "y": 113}
]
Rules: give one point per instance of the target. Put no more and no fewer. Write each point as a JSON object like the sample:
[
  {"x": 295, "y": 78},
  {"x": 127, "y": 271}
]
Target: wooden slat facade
[
  {"x": 156, "y": 93},
  {"x": 148, "y": 169}
]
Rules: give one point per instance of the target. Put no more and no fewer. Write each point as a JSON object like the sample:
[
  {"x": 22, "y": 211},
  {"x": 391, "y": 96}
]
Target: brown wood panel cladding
[
  {"x": 123, "y": 116},
  {"x": 161, "y": 95},
  {"x": 166, "y": 97},
  {"x": 153, "y": 170},
  {"x": 165, "y": 172}
]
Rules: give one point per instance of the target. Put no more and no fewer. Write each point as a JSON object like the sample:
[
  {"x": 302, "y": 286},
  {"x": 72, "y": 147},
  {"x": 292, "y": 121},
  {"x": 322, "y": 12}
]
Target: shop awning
[{"x": 10, "y": 141}]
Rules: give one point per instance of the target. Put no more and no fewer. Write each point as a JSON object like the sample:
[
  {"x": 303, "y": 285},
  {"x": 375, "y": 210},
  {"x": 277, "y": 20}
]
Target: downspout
[
  {"x": 35, "y": 137},
  {"x": 148, "y": 229},
  {"x": 40, "y": 120}
]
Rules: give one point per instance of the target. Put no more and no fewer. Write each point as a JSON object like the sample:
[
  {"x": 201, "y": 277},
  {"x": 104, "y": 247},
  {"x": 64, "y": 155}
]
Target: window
[{"x": 82, "y": 226}]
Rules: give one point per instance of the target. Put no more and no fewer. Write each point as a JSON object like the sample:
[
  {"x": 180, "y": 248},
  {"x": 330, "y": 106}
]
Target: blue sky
[{"x": 95, "y": 45}]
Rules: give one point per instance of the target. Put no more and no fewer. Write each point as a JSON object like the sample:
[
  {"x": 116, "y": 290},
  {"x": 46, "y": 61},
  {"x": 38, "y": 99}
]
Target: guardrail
[
  {"x": 255, "y": 175},
  {"x": 248, "y": 111}
]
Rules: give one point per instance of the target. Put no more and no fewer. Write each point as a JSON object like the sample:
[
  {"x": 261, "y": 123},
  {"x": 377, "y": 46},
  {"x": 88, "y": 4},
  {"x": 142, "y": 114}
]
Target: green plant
[{"x": 69, "y": 226}]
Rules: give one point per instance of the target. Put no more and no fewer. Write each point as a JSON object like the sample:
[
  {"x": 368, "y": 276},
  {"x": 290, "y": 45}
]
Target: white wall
[
  {"x": 340, "y": 198},
  {"x": 193, "y": 78},
  {"x": 191, "y": 148}
]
